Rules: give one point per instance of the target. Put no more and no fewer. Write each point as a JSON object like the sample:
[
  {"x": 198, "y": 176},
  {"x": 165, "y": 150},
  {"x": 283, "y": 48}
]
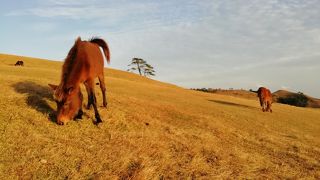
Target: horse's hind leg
[
  {"x": 261, "y": 103},
  {"x": 269, "y": 107},
  {"x": 103, "y": 90},
  {"x": 96, "y": 112},
  {"x": 90, "y": 102},
  {"x": 264, "y": 106},
  {"x": 93, "y": 100}
]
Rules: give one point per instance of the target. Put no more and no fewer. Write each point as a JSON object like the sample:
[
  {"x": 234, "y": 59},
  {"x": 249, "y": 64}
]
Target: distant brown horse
[
  {"x": 83, "y": 64},
  {"x": 19, "y": 63},
  {"x": 265, "y": 98}
]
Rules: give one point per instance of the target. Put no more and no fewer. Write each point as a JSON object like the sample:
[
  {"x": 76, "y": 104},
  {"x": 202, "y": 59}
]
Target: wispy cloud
[
  {"x": 67, "y": 2},
  {"x": 139, "y": 11},
  {"x": 43, "y": 26},
  {"x": 211, "y": 43}
]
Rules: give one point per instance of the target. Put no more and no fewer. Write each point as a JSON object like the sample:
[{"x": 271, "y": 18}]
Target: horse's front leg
[{"x": 79, "y": 115}]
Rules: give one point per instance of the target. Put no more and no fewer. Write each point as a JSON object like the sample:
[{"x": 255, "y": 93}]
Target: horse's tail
[{"x": 104, "y": 46}]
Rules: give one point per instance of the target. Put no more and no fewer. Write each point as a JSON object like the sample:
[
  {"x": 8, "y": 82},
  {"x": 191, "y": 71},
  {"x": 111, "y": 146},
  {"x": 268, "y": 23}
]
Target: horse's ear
[{"x": 53, "y": 87}]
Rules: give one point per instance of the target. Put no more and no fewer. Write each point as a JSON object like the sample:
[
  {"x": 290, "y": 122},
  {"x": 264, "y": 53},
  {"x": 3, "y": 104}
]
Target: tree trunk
[{"x": 139, "y": 68}]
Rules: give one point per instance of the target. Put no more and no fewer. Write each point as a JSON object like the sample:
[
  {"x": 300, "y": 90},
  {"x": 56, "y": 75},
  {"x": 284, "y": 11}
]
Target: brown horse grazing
[
  {"x": 83, "y": 64},
  {"x": 19, "y": 63},
  {"x": 265, "y": 98}
]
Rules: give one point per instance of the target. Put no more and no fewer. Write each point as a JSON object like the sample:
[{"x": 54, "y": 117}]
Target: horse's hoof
[
  {"x": 97, "y": 123},
  {"x": 77, "y": 118},
  {"x": 79, "y": 115}
]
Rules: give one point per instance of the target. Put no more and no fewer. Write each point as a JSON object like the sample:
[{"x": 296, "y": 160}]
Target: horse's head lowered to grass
[{"x": 69, "y": 102}]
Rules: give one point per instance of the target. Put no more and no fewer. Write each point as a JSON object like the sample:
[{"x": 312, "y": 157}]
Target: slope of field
[
  {"x": 240, "y": 93},
  {"x": 151, "y": 130}
]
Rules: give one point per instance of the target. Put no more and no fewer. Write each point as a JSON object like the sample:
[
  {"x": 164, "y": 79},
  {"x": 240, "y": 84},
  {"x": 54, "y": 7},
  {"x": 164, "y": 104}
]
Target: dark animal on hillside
[
  {"x": 19, "y": 63},
  {"x": 265, "y": 98},
  {"x": 83, "y": 64}
]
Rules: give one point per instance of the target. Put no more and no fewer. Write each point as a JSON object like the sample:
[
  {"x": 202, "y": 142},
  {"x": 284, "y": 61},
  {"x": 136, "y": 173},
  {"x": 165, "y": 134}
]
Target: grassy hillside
[
  {"x": 151, "y": 130},
  {"x": 240, "y": 93}
]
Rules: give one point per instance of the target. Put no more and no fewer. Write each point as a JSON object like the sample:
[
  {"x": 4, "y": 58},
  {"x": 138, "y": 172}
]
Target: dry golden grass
[
  {"x": 151, "y": 130},
  {"x": 237, "y": 93}
]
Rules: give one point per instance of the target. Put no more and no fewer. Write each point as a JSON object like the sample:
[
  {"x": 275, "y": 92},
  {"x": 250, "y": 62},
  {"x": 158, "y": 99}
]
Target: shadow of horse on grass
[
  {"x": 232, "y": 104},
  {"x": 36, "y": 97}
]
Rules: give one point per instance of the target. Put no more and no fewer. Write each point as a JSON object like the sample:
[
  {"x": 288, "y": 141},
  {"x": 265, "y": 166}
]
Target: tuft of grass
[{"x": 151, "y": 130}]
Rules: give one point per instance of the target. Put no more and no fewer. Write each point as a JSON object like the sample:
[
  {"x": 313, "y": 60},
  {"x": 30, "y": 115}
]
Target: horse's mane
[
  {"x": 66, "y": 69},
  {"x": 69, "y": 61}
]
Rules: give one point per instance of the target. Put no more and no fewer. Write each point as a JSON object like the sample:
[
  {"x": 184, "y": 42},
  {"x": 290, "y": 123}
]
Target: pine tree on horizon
[{"x": 142, "y": 66}]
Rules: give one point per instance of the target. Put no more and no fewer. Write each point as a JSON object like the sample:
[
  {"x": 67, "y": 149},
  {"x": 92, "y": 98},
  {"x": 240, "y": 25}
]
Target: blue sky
[{"x": 191, "y": 43}]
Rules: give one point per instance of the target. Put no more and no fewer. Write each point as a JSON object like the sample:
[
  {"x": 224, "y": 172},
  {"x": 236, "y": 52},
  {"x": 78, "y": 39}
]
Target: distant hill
[
  {"x": 295, "y": 99},
  {"x": 280, "y": 96}
]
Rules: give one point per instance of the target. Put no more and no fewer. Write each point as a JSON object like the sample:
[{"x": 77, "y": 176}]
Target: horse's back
[
  {"x": 92, "y": 58},
  {"x": 264, "y": 93},
  {"x": 268, "y": 95}
]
